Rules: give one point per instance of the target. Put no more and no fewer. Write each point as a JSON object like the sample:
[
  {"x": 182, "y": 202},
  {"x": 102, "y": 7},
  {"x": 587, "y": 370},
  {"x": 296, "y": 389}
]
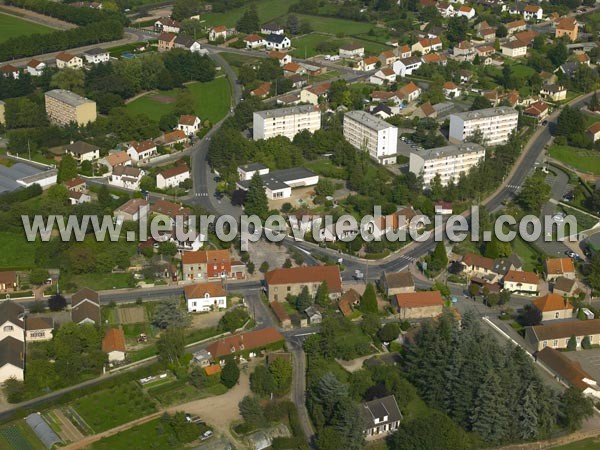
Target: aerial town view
[{"x": 300, "y": 224}]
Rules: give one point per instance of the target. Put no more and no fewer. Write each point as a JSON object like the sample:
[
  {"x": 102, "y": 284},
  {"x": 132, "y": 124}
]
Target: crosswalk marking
[{"x": 513, "y": 186}]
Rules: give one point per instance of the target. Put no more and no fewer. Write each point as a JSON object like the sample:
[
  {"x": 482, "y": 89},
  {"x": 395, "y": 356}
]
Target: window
[
  {"x": 556, "y": 315},
  {"x": 8, "y": 328},
  {"x": 545, "y": 344},
  {"x": 555, "y": 343}
]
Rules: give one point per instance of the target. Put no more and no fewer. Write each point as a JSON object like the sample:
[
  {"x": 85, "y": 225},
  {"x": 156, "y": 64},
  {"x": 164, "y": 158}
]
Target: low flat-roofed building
[{"x": 279, "y": 184}]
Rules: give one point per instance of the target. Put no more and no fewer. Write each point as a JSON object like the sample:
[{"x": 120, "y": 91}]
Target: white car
[
  {"x": 558, "y": 218},
  {"x": 206, "y": 435}
]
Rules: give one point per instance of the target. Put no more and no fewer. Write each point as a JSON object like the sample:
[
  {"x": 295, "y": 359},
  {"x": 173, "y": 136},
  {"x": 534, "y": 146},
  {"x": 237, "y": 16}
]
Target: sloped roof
[
  {"x": 174, "y": 171},
  {"x": 565, "y": 368},
  {"x": 84, "y": 294},
  {"x": 187, "y": 119},
  {"x": 204, "y": 256},
  {"x": 346, "y": 301},
  {"x": 471, "y": 259},
  {"x": 280, "y": 312},
  {"x": 116, "y": 158},
  {"x": 245, "y": 341},
  {"x": 39, "y": 323},
  {"x": 419, "y": 299},
  {"x": 199, "y": 290},
  {"x": 399, "y": 279},
  {"x": 8, "y": 277},
  {"x": 295, "y": 275},
  {"x": 552, "y": 302},
  {"x": 11, "y": 311},
  {"x": 66, "y": 57},
  {"x": 563, "y": 330},
  {"x": 516, "y": 276},
  {"x": 559, "y": 266},
  {"x": 113, "y": 341}
]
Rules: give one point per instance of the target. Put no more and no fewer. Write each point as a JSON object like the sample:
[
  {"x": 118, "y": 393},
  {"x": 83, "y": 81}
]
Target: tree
[
  {"x": 574, "y": 409},
  {"x": 57, "y": 302},
  {"x": 322, "y": 297},
  {"x": 586, "y": 343},
  {"x": 184, "y": 103},
  {"x": 558, "y": 53},
  {"x": 281, "y": 371},
  {"x": 368, "y": 301},
  {"x": 534, "y": 193},
  {"x": 389, "y": 332},
  {"x": 570, "y": 121},
  {"x": 417, "y": 434},
  {"x": 182, "y": 9},
  {"x": 474, "y": 289},
  {"x": 303, "y": 300},
  {"x": 199, "y": 378},
  {"x": 264, "y": 267},
  {"x": 457, "y": 29},
  {"x": 572, "y": 344},
  {"x": 171, "y": 345},
  {"x": 233, "y": 320},
  {"x": 594, "y": 104},
  {"x": 67, "y": 170},
  {"x": 439, "y": 259},
  {"x": 38, "y": 276},
  {"x": 69, "y": 79},
  {"x": 480, "y": 102},
  {"x": 167, "y": 249},
  {"x": 293, "y": 24},
  {"x": 530, "y": 316},
  {"x": 261, "y": 381},
  {"x": 168, "y": 314},
  {"x": 501, "y": 31},
  {"x": 249, "y": 22},
  {"x": 287, "y": 263},
  {"x": 37, "y": 307},
  {"x": 497, "y": 249},
  {"x": 256, "y": 198},
  {"x": 252, "y": 411},
  {"x": 230, "y": 373}
]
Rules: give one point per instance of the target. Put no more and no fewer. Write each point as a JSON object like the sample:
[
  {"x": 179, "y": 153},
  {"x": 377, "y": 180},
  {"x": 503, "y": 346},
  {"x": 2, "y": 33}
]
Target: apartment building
[
  {"x": 495, "y": 124},
  {"x": 64, "y": 107},
  {"x": 449, "y": 162},
  {"x": 371, "y": 134},
  {"x": 286, "y": 121}
]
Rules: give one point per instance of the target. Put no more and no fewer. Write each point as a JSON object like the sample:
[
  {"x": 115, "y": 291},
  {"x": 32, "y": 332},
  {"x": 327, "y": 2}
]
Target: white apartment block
[
  {"x": 286, "y": 121},
  {"x": 371, "y": 134},
  {"x": 449, "y": 162},
  {"x": 495, "y": 124}
]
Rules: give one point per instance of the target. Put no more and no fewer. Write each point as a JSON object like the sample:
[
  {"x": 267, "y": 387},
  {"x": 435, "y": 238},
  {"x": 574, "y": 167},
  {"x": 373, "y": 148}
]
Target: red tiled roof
[
  {"x": 204, "y": 256},
  {"x": 280, "y": 312},
  {"x": 170, "y": 209},
  {"x": 245, "y": 341},
  {"x": 63, "y": 56},
  {"x": 516, "y": 276},
  {"x": 595, "y": 128},
  {"x": 174, "y": 136},
  {"x": 212, "y": 370},
  {"x": 559, "y": 266},
  {"x": 219, "y": 29},
  {"x": 168, "y": 37},
  {"x": 253, "y": 38},
  {"x": 114, "y": 340},
  {"x": 471, "y": 259},
  {"x": 296, "y": 275},
  {"x": 552, "y": 302},
  {"x": 201, "y": 289},
  {"x": 419, "y": 299},
  {"x": 262, "y": 90},
  {"x": 188, "y": 120},
  {"x": 174, "y": 171}
]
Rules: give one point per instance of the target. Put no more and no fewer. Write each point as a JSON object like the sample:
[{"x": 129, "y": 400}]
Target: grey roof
[
  {"x": 84, "y": 294},
  {"x": 32, "y": 179},
  {"x": 488, "y": 112},
  {"x": 449, "y": 150},
  {"x": 502, "y": 265},
  {"x": 10, "y": 175},
  {"x": 186, "y": 41},
  {"x": 252, "y": 167},
  {"x": 81, "y": 148},
  {"x": 409, "y": 61},
  {"x": 368, "y": 120},
  {"x": 281, "y": 179},
  {"x": 95, "y": 51},
  {"x": 382, "y": 108},
  {"x": 275, "y": 38},
  {"x": 281, "y": 112},
  {"x": 68, "y": 97},
  {"x": 271, "y": 26},
  {"x": 399, "y": 279},
  {"x": 11, "y": 311},
  {"x": 42, "y": 430},
  {"x": 569, "y": 68},
  {"x": 378, "y": 409},
  {"x": 11, "y": 352}
]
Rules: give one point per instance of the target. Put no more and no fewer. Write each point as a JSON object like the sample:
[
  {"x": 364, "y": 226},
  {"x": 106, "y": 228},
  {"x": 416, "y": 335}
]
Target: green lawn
[
  {"x": 179, "y": 391},
  {"x": 526, "y": 253},
  {"x": 236, "y": 61},
  {"x": 336, "y": 26},
  {"x": 267, "y": 10},
  {"x": 146, "y": 436},
  {"x": 14, "y": 27},
  {"x": 586, "y": 444},
  {"x": 578, "y": 158},
  {"x": 212, "y": 101},
  {"x": 16, "y": 252},
  {"x": 107, "y": 409},
  {"x": 306, "y": 45},
  {"x": 102, "y": 282}
]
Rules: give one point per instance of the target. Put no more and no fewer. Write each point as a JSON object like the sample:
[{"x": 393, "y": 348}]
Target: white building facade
[
  {"x": 286, "y": 121},
  {"x": 495, "y": 125},
  {"x": 449, "y": 162},
  {"x": 371, "y": 134}
]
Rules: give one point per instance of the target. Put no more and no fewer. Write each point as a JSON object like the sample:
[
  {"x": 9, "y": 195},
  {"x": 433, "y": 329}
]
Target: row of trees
[{"x": 66, "y": 12}]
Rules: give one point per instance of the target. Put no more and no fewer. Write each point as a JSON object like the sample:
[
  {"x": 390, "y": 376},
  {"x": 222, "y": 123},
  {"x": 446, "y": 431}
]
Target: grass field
[
  {"x": 107, "y": 409},
  {"x": 236, "y": 61},
  {"x": 336, "y": 26},
  {"x": 14, "y": 27},
  {"x": 17, "y": 252},
  {"x": 267, "y": 11},
  {"x": 142, "y": 437},
  {"x": 212, "y": 101},
  {"x": 586, "y": 444},
  {"x": 306, "y": 45},
  {"x": 578, "y": 158},
  {"x": 526, "y": 253},
  {"x": 180, "y": 391}
]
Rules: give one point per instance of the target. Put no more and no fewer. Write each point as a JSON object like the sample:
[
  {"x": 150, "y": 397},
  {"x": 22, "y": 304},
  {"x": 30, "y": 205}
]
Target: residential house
[
  {"x": 170, "y": 212},
  {"x": 507, "y": 264},
  {"x": 12, "y": 359},
  {"x": 392, "y": 283},
  {"x": 166, "y": 41},
  {"x": 445, "y": 9},
  {"x": 450, "y": 90},
  {"x": 409, "y": 92},
  {"x": 140, "y": 151},
  {"x": 76, "y": 184},
  {"x": 9, "y": 281},
  {"x": 35, "y": 68},
  {"x": 85, "y": 307},
  {"x": 115, "y": 159},
  {"x": 203, "y": 297},
  {"x": 425, "y": 110},
  {"x": 564, "y": 286},
  {"x": 113, "y": 344},
  {"x": 68, "y": 61},
  {"x": 166, "y": 24},
  {"x": 367, "y": 64},
  {"x": 427, "y": 45},
  {"x": 348, "y": 301},
  {"x": 314, "y": 315},
  {"x": 263, "y": 90},
  {"x": 11, "y": 321},
  {"x": 553, "y": 307},
  {"x": 272, "y": 28},
  {"x": 526, "y": 37},
  {"x": 173, "y": 138},
  {"x": 583, "y": 59},
  {"x": 406, "y": 66},
  {"x": 283, "y": 282},
  {"x": 132, "y": 210},
  {"x": 283, "y": 58},
  {"x": 9, "y": 71},
  {"x": 293, "y": 68},
  {"x": 443, "y": 208},
  {"x": 485, "y": 51},
  {"x": 217, "y": 33},
  {"x": 538, "y": 110},
  {"x": 250, "y": 343},
  {"x": 189, "y": 124},
  {"x": 521, "y": 282},
  {"x": 387, "y": 58},
  {"x": 190, "y": 44},
  {"x": 127, "y": 177},
  {"x": 96, "y": 56},
  {"x": 382, "y": 76},
  {"x": 559, "y": 267},
  {"x": 479, "y": 266},
  {"x": 82, "y": 151},
  {"x": 466, "y": 11},
  {"x": 567, "y": 26},
  {"x": 352, "y": 50},
  {"x": 206, "y": 265},
  {"x": 418, "y": 305},
  {"x": 38, "y": 328},
  {"x": 173, "y": 177},
  {"x": 557, "y": 335},
  {"x": 403, "y": 51},
  {"x": 514, "y": 49},
  {"x": 594, "y": 131},
  {"x": 277, "y": 42},
  {"x": 554, "y": 92},
  {"x": 384, "y": 96},
  {"x": 568, "y": 372},
  {"x": 77, "y": 198},
  {"x": 533, "y": 12},
  {"x": 464, "y": 50},
  {"x": 281, "y": 314},
  {"x": 488, "y": 34},
  {"x": 435, "y": 58},
  {"x": 383, "y": 111},
  {"x": 254, "y": 41},
  {"x": 515, "y": 26},
  {"x": 381, "y": 416},
  {"x": 316, "y": 93}
]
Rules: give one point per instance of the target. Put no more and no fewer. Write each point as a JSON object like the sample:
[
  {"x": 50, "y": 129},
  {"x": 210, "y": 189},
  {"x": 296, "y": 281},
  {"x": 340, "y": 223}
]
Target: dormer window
[{"x": 8, "y": 328}]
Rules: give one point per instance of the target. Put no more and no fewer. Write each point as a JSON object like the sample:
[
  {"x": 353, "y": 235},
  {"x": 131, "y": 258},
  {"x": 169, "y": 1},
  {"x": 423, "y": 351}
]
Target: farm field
[
  {"x": 267, "y": 10},
  {"x": 141, "y": 437},
  {"x": 12, "y": 26},
  {"x": 305, "y": 46},
  {"x": 578, "y": 158},
  {"x": 335, "y": 26},
  {"x": 18, "y": 436},
  {"x": 212, "y": 101}
]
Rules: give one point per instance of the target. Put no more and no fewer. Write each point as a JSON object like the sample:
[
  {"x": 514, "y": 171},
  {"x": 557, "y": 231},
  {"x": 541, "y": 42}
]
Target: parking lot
[{"x": 589, "y": 360}]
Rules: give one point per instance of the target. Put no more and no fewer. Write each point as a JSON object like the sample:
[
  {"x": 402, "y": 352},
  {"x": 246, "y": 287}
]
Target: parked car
[
  {"x": 570, "y": 253},
  {"x": 206, "y": 435}
]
